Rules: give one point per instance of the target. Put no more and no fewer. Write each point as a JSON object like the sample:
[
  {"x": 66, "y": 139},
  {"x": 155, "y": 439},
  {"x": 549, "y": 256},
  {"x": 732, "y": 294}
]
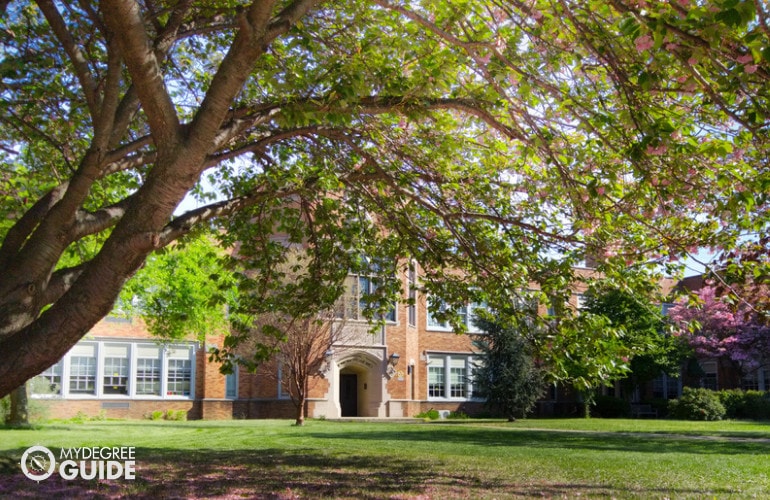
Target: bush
[
  {"x": 178, "y": 415},
  {"x": 697, "y": 404},
  {"x": 156, "y": 415},
  {"x": 753, "y": 405},
  {"x": 458, "y": 415},
  {"x": 611, "y": 407},
  {"x": 430, "y": 414}
]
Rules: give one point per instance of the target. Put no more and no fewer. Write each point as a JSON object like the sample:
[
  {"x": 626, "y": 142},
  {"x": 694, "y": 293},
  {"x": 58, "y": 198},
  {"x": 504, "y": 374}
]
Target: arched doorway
[{"x": 360, "y": 385}]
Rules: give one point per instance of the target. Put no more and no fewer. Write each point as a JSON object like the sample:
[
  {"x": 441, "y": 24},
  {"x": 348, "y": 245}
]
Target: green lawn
[{"x": 457, "y": 459}]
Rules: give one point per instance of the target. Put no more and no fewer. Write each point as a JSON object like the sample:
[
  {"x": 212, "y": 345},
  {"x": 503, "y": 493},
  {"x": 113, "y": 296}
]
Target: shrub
[
  {"x": 156, "y": 415},
  {"x": 430, "y": 414},
  {"x": 611, "y": 407},
  {"x": 458, "y": 415},
  {"x": 697, "y": 404},
  {"x": 754, "y": 405},
  {"x": 178, "y": 415}
]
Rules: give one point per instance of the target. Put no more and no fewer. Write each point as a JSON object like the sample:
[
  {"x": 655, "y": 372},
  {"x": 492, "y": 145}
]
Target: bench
[{"x": 640, "y": 411}]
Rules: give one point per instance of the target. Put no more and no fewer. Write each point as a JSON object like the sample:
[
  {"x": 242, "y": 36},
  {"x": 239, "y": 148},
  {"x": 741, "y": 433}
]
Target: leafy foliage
[
  {"x": 724, "y": 327},
  {"x": 651, "y": 350},
  {"x": 496, "y": 143},
  {"x": 508, "y": 377},
  {"x": 183, "y": 292},
  {"x": 697, "y": 404}
]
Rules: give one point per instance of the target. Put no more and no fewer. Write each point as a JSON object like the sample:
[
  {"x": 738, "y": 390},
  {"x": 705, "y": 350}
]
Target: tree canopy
[
  {"x": 495, "y": 142},
  {"x": 722, "y": 326}
]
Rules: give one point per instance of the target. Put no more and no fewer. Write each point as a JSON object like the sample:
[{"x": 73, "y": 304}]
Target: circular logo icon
[{"x": 38, "y": 463}]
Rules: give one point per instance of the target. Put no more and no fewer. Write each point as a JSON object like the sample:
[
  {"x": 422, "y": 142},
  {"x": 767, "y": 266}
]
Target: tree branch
[
  {"x": 77, "y": 58},
  {"x": 93, "y": 222},
  {"x": 124, "y": 19}
]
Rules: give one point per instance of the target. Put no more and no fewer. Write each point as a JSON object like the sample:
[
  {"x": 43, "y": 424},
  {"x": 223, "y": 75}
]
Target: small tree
[
  {"x": 509, "y": 378},
  {"x": 300, "y": 345}
]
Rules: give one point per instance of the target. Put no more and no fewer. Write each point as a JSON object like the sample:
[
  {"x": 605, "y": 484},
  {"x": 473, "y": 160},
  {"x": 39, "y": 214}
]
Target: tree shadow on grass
[
  {"x": 600, "y": 441},
  {"x": 299, "y": 473}
]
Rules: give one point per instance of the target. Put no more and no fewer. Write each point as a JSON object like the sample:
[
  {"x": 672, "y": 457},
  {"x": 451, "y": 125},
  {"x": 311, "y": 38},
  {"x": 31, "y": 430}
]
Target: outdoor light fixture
[
  {"x": 394, "y": 359},
  {"x": 326, "y": 366}
]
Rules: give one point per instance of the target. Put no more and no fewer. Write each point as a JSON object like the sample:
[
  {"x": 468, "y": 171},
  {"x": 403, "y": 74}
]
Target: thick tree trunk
[{"x": 19, "y": 412}]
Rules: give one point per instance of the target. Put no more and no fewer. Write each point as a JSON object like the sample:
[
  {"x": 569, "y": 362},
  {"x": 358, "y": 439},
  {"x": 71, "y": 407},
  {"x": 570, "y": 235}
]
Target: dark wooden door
[{"x": 349, "y": 394}]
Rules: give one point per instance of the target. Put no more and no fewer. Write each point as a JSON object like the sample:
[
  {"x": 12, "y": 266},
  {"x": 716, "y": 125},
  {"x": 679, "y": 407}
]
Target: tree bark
[
  {"x": 300, "y": 421},
  {"x": 19, "y": 412}
]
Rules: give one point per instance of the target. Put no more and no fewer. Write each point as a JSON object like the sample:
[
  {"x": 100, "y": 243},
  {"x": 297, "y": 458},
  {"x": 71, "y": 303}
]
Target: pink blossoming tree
[{"x": 719, "y": 326}]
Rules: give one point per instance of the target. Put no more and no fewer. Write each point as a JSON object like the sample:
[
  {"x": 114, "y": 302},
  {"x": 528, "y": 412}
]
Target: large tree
[{"x": 493, "y": 140}]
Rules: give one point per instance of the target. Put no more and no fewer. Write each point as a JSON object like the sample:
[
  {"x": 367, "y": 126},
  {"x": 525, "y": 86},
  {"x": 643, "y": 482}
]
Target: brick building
[{"x": 412, "y": 364}]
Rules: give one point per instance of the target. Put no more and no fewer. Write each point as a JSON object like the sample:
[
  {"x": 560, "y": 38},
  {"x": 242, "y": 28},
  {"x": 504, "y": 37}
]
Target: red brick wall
[{"x": 136, "y": 409}]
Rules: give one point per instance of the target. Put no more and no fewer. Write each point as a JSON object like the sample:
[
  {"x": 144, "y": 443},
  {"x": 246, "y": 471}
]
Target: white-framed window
[
  {"x": 116, "y": 364},
  {"x": 48, "y": 383},
  {"x": 148, "y": 369},
  {"x": 114, "y": 369},
  {"x": 82, "y": 369},
  {"x": 466, "y": 314},
  {"x": 581, "y": 301},
  {"x": 450, "y": 376},
  {"x": 178, "y": 372}
]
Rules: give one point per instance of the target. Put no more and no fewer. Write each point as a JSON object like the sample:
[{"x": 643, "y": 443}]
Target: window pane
[
  {"x": 433, "y": 321},
  {"x": 457, "y": 377},
  {"x": 179, "y": 377},
  {"x": 82, "y": 375},
  {"x": 436, "y": 378},
  {"x": 115, "y": 376},
  {"x": 48, "y": 383},
  {"x": 148, "y": 376},
  {"x": 231, "y": 385}
]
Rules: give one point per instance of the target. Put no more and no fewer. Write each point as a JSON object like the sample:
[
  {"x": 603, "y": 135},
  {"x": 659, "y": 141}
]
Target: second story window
[
  {"x": 466, "y": 313},
  {"x": 359, "y": 291}
]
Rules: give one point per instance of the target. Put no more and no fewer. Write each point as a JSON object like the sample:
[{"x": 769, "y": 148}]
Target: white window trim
[
  {"x": 446, "y": 327},
  {"x": 470, "y": 360},
  {"x": 132, "y": 353}
]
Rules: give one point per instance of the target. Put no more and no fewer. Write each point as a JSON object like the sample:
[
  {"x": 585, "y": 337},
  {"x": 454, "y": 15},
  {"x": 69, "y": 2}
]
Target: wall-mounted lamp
[
  {"x": 326, "y": 366},
  {"x": 393, "y": 360}
]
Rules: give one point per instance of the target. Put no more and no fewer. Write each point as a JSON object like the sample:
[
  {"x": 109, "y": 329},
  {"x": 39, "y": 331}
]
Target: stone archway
[{"x": 356, "y": 387}]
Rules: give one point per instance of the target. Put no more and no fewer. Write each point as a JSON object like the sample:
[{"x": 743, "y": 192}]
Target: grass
[{"x": 460, "y": 459}]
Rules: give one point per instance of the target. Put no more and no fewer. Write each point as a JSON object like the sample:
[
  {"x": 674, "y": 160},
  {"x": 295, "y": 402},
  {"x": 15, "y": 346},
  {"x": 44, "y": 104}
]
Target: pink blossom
[
  {"x": 644, "y": 42},
  {"x": 484, "y": 59},
  {"x": 750, "y": 68},
  {"x": 746, "y": 58},
  {"x": 656, "y": 150},
  {"x": 536, "y": 14},
  {"x": 600, "y": 190},
  {"x": 692, "y": 61},
  {"x": 671, "y": 46}
]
